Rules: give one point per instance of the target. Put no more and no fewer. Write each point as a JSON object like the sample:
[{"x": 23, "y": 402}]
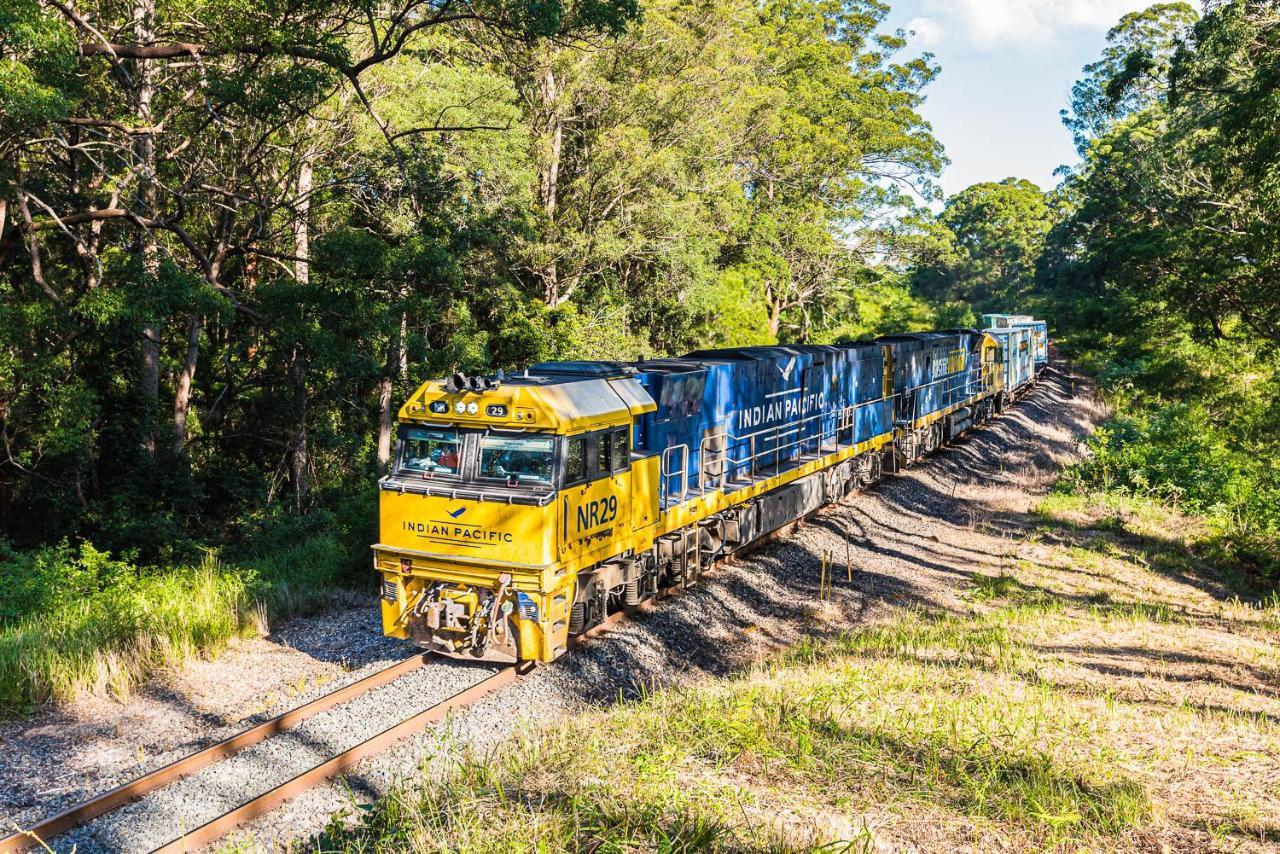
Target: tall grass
[{"x": 132, "y": 622}]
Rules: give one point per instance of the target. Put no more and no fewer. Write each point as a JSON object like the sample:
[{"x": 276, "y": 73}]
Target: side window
[
  {"x": 575, "y": 461},
  {"x": 621, "y": 449},
  {"x": 604, "y": 455}
]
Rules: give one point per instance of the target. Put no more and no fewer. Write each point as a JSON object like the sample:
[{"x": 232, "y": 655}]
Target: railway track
[
  {"x": 91, "y": 809},
  {"x": 39, "y": 835}
]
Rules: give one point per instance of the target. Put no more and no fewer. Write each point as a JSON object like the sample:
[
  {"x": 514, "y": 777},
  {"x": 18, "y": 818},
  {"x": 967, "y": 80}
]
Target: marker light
[
  {"x": 495, "y": 410},
  {"x": 472, "y": 409},
  {"x": 439, "y": 407},
  {"x": 459, "y": 407}
]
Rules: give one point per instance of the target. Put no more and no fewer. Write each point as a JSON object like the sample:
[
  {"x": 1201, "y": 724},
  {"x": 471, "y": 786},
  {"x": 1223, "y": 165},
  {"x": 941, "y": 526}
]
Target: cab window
[
  {"x": 621, "y": 443},
  {"x": 517, "y": 459},
  {"x": 575, "y": 461},
  {"x": 430, "y": 452}
]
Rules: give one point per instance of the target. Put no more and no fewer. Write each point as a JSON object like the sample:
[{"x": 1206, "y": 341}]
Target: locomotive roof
[
  {"x": 773, "y": 351},
  {"x": 905, "y": 337},
  {"x": 560, "y": 396}
]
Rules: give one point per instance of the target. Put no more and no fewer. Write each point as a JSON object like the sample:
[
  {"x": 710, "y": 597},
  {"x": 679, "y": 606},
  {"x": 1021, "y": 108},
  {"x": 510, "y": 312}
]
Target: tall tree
[
  {"x": 1177, "y": 204},
  {"x": 1131, "y": 74},
  {"x": 985, "y": 246},
  {"x": 834, "y": 140}
]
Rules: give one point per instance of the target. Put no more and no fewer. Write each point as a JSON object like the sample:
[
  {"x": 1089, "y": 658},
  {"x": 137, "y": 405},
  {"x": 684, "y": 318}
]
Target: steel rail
[
  {"x": 264, "y": 803},
  {"x": 187, "y": 765}
]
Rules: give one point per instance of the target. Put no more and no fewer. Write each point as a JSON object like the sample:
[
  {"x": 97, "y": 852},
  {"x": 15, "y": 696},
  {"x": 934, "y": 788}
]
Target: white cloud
[
  {"x": 926, "y": 32},
  {"x": 989, "y": 23}
]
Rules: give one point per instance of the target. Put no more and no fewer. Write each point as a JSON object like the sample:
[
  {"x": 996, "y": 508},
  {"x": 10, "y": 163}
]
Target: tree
[
  {"x": 984, "y": 246},
  {"x": 1132, "y": 72},
  {"x": 274, "y": 221},
  {"x": 163, "y": 163},
  {"x": 1176, "y": 204},
  {"x": 834, "y": 141}
]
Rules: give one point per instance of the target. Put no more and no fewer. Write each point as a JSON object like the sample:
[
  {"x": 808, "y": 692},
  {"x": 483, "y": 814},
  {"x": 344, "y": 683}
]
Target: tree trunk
[
  {"x": 549, "y": 174},
  {"x": 300, "y": 460},
  {"x": 182, "y": 395},
  {"x": 301, "y": 224},
  {"x": 384, "y": 423},
  {"x": 144, "y": 149},
  {"x": 775, "y": 312},
  {"x": 397, "y": 362}
]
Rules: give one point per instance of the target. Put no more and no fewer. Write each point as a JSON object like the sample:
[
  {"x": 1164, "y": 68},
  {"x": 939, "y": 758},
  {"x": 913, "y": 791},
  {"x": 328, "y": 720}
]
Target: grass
[
  {"x": 1100, "y": 692},
  {"x": 934, "y": 719},
  {"x": 112, "y": 639}
]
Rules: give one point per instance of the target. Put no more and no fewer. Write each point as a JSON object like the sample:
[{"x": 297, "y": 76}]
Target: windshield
[
  {"x": 522, "y": 459},
  {"x": 429, "y": 451}
]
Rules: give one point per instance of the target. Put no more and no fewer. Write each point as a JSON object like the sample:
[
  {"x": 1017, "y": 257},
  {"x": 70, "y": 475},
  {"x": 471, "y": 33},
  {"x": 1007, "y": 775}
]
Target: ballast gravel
[
  {"x": 63, "y": 755},
  {"x": 916, "y": 538},
  {"x": 188, "y": 803}
]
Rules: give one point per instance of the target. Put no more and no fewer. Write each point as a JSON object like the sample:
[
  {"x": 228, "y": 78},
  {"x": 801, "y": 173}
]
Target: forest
[{"x": 234, "y": 236}]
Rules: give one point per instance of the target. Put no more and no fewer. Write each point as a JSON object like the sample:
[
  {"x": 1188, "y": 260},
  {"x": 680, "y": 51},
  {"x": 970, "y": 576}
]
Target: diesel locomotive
[{"x": 521, "y": 510}]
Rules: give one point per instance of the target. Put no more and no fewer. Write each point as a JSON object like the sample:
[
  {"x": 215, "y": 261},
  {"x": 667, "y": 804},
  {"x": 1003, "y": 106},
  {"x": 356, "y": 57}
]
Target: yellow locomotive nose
[{"x": 486, "y": 518}]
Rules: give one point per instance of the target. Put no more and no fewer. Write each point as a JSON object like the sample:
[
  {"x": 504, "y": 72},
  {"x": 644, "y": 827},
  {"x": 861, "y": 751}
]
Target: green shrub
[
  {"x": 55, "y": 576},
  {"x": 78, "y": 619},
  {"x": 1207, "y": 461}
]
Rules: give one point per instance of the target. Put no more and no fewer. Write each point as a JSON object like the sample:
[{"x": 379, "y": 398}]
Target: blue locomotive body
[
  {"x": 1016, "y": 355},
  {"x": 1039, "y": 330},
  {"x": 1039, "y": 343},
  {"x": 934, "y": 372},
  {"x": 728, "y": 416}
]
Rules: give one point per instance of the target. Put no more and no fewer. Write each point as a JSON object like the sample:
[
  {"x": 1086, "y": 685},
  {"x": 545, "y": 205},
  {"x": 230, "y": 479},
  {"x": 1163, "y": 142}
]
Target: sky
[{"x": 1007, "y": 69}]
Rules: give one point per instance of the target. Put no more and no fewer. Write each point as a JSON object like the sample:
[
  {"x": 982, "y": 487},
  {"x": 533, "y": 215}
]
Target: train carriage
[
  {"x": 945, "y": 382},
  {"x": 520, "y": 510},
  {"x": 1039, "y": 334},
  {"x": 1017, "y": 357},
  {"x": 1039, "y": 344}
]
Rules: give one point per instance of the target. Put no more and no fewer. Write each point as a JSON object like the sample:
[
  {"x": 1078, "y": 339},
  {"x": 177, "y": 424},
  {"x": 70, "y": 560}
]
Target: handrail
[
  {"x": 970, "y": 377},
  {"x": 683, "y": 472},
  {"x": 845, "y": 420}
]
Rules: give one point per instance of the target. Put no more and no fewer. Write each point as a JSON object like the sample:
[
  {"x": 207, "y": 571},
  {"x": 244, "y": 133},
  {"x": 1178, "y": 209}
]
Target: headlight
[
  {"x": 472, "y": 408},
  {"x": 459, "y": 407}
]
